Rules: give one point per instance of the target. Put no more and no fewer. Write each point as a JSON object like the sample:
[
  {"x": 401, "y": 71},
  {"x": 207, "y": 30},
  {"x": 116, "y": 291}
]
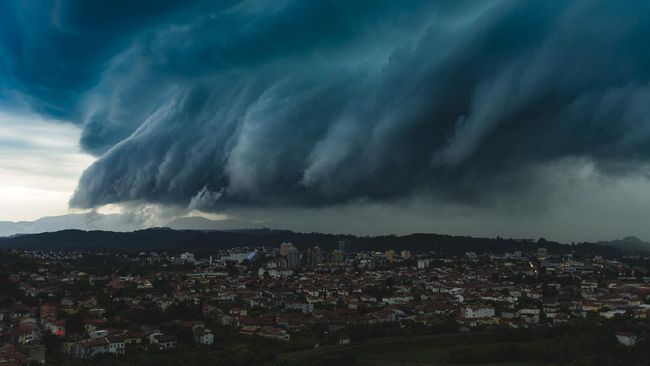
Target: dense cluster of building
[{"x": 286, "y": 292}]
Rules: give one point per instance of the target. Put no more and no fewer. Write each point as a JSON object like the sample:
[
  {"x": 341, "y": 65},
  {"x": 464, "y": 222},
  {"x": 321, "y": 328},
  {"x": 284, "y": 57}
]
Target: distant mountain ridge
[
  {"x": 94, "y": 231},
  {"x": 116, "y": 222},
  {"x": 630, "y": 243},
  {"x": 213, "y": 240},
  {"x": 82, "y": 221}
]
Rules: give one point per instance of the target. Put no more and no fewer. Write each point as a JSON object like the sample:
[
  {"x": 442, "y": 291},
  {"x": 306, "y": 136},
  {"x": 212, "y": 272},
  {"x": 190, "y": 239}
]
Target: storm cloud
[{"x": 317, "y": 103}]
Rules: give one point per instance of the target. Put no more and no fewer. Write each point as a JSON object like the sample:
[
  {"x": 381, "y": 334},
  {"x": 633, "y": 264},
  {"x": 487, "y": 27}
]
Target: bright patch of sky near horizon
[{"x": 40, "y": 164}]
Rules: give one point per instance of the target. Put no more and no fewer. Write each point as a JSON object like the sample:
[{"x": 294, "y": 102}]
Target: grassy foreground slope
[{"x": 503, "y": 349}]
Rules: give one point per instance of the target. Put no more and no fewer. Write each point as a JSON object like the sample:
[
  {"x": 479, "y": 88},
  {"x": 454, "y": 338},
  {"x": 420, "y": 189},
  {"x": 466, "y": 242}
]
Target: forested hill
[{"x": 207, "y": 241}]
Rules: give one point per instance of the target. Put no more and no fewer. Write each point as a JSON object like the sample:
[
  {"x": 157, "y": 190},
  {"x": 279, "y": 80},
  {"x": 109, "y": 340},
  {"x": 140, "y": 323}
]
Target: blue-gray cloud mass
[{"x": 309, "y": 103}]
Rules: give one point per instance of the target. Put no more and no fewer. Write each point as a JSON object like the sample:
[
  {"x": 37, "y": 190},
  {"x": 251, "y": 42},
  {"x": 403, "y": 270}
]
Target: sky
[
  {"x": 491, "y": 117},
  {"x": 40, "y": 164}
]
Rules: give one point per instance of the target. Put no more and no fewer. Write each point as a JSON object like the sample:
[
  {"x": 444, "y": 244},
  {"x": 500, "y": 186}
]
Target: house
[
  {"x": 117, "y": 345},
  {"x": 93, "y": 324},
  {"x": 67, "y": 343},
  {"x": 626, "y": 338},
  {"x": 203, "y": 336},
  {"x": 560, "y": 318},
  {"x": 25, "y": 334},
  {"x": 98, "y": 334},
  {"x": 477, "y": 314},
  {"x": 162, "y": 341},
  {"x": 304, "y": 308},
  {"x": 132, "y": 337},
  {"x": 477, "y": 311},
  {"x": 530, "y": 315},
  {"x": 273, "y": 333},
  {"x": 88, "y": 348},
  {"x": 248, "y": 330},
  {"x": 382, "y": 316},
  {"x": 58, "y": 328}
]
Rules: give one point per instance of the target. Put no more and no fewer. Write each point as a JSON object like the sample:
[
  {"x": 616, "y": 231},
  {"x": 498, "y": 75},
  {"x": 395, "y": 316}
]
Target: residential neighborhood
[{"x": 81, "y": 305}]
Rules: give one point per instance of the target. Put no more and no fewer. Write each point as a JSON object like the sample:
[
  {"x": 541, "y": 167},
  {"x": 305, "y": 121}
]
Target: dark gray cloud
[
  {"x": 53, "y": 51},
  {"x": 313, "y": 103}
]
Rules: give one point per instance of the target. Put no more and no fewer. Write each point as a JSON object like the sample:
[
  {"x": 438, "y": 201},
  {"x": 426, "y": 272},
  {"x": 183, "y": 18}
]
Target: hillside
[
  {"x": 205, "y": 241},
  {"x": 628, "y": 244}
]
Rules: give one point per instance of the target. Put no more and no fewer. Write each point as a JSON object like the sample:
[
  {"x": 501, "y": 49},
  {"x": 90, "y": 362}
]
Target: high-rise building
[
  {"x": 293, "y": 258},
  {"x": 406, "y": 254},
  {"x": 344, "y": 246},
  {"x": 285, "y": 248},
  {"x": 316, "y": 256},
  {"x": 188, "y": 257},
  {"x": 337, "y": 256},
  {"x": 390, "y": 255}
]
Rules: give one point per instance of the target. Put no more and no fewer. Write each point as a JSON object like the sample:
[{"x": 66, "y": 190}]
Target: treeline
[{"x": 210, "y": 241}]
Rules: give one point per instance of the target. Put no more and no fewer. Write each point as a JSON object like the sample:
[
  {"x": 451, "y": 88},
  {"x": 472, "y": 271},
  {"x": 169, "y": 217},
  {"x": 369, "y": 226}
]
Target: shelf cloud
[{"x": 318, "y": 103}]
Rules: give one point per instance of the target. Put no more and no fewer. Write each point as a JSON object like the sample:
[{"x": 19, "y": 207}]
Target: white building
[
  {"x": 203, "y": 336},
  {"x": 424, "y": 263},
  {"x": 237, "y": 256},
  {"x": 530, "y": 316},
  {"x": 88, "y": 348},
  {"x": 188, "y": 257},
  {"x": 477, "y": 311},
  {"x": 626, "y": 339},
  {"x": 162, "y": 341}
]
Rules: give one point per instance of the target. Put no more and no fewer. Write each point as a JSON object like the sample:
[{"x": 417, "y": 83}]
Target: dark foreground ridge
[{"x": 204, "y": 241}]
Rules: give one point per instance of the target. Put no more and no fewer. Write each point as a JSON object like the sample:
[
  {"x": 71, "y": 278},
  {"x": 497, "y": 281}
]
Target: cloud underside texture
[{"x": 313, "y": 103}]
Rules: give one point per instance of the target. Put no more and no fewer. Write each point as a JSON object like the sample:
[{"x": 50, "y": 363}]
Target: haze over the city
[{"x": 483, "y": 118}]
